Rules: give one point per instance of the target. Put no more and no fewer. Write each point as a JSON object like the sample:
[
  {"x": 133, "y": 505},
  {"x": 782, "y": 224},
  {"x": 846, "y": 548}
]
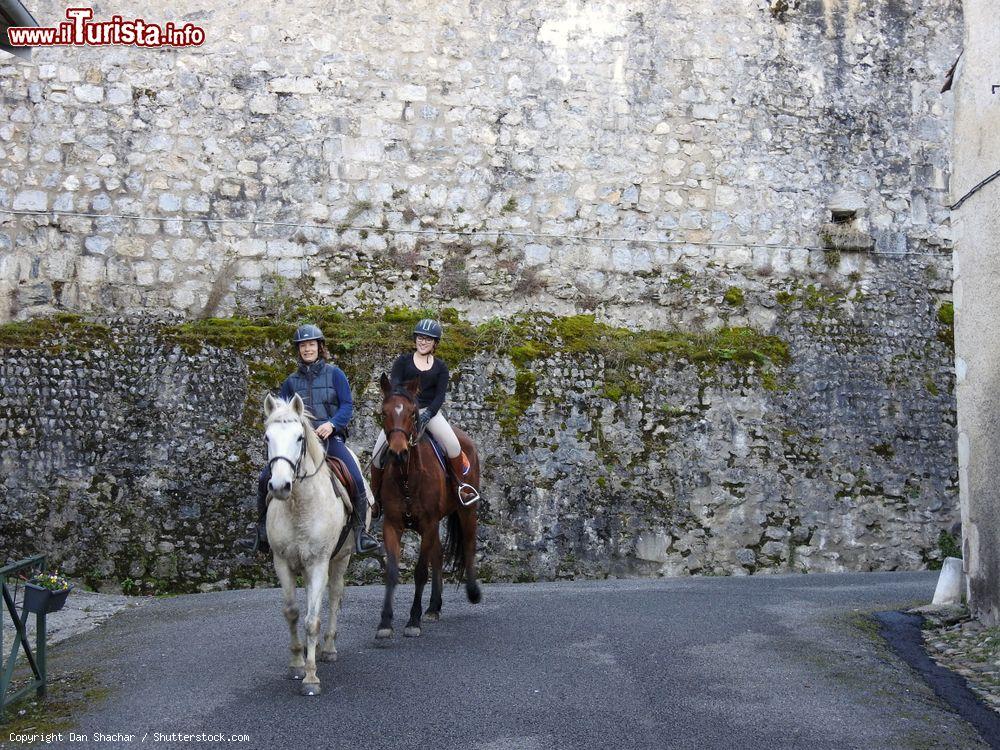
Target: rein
[{"x": 412, "y": 441}]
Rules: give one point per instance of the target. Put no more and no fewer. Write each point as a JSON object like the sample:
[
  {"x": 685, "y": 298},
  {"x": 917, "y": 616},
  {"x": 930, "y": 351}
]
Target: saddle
[
  {"x": 449, "y": 471},
  {"x": 339, "y": 470}
]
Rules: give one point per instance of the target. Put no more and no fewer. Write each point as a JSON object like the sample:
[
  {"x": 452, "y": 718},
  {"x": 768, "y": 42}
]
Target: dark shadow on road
[{"x": 902, "y": 632}]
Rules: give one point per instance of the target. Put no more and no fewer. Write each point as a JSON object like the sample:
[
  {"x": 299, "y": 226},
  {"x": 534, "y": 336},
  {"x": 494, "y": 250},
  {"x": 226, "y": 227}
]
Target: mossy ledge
[
  {"x": 61, "y": 332},
  {"x": 522, "y": 338},
  {"x": 365, "y": 337},
  {"x": 356, "y": 340}
]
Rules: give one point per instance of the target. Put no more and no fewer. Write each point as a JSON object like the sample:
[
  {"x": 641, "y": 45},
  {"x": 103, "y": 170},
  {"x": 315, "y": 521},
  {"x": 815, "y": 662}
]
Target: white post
[{"x": 949, "y": 586}]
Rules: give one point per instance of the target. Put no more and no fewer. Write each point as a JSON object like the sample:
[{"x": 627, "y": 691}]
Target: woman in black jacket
[{"x": 433, "y": 375}]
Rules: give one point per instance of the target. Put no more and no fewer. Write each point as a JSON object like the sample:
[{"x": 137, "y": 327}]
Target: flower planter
[{"x": 41, "y": 600}]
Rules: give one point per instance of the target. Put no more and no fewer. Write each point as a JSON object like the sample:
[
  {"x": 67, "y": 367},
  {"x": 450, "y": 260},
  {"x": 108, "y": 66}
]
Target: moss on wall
[
  {"x": 360, "y": 340},
  {"x": 62, "y": 332}
]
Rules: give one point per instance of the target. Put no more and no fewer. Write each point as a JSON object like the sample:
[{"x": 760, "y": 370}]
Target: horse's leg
[
  {"x": 338, "y": 567},
  {"x": 390, "y": 540},
  {"x": 315, "y": 584},
  {"x": 419, "y": 581},
  {"x": 296, "y": 666},
  {"x": 433, "y": 613},
  {"x": 467, "y": 517}
]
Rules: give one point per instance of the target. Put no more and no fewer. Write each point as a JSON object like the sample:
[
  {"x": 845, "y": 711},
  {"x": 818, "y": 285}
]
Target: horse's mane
[{"x": 284, "y": 412}]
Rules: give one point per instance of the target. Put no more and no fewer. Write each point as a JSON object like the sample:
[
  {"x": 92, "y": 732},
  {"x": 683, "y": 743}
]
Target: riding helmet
[
  {"x": 308, "y": 332},
  {"x": 428, "y": 327}
]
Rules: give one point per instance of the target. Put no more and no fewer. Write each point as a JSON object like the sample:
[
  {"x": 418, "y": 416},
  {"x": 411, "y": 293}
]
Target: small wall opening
[{"x": 843, "y": 215}]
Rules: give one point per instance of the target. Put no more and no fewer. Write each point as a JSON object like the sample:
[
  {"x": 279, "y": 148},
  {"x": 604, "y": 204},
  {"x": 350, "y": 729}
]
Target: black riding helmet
[
  {"x": 308, "y": 332},
  {"x": 428, "y": 327}
]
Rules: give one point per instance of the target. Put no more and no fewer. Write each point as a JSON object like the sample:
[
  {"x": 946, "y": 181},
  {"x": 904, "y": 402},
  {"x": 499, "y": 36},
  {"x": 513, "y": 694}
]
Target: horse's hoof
[
  {"x": 310, "y": 688},
  {"x": 411, "y": 631},
  {"x": 432, "y": 616},
  {"x": 382, "y": 633},
  {"x": 328, "y": 656},
  {"x": 296, "y": 673},
  {"x": 474, "y": 593}
]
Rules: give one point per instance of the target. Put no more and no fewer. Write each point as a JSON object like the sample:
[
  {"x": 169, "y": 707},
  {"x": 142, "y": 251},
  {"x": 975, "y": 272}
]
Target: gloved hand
[{"x": 422, "y": 421}]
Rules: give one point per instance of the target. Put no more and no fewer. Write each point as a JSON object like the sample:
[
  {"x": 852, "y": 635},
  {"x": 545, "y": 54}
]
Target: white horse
[{"x": 304, "y": 522}]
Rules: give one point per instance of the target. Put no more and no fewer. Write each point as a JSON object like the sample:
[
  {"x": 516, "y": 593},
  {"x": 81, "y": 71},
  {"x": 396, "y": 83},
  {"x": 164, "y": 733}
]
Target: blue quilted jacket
[{"x": 325, "y": 390}]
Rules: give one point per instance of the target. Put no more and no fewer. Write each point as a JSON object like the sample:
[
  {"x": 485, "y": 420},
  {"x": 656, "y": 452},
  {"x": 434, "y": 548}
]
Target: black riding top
[{"x": 433, "y": 382}]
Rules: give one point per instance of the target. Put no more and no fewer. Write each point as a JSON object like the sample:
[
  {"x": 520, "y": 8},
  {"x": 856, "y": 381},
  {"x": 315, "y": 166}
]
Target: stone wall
[
  {"x": 130, "y": 451},
  {"x": 486, "y": 155},
  {"x": 685, "y": 170}
]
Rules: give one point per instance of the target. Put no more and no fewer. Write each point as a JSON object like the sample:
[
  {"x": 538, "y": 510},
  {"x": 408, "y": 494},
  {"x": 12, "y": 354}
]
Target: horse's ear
[
  {"x": 298, "y": 406},
  {"x": 413, "y": 386},
  {"x": 386, "y": 385},
  {"x": 269, "y": 403}
]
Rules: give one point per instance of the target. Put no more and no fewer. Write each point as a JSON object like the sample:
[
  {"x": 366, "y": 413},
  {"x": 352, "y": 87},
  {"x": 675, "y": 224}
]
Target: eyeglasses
[{"x": 423, "y": 339}]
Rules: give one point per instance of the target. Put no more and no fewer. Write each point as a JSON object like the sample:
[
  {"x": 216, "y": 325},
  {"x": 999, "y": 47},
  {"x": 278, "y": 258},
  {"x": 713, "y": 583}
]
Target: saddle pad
[
  {"x": 438, "y": 450},
  {"x": 340, "y": 471}
]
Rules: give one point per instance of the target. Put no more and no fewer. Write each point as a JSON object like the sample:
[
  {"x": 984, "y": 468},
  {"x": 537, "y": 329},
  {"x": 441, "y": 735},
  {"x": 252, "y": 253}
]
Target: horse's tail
[{"x": 454, "y": 554}]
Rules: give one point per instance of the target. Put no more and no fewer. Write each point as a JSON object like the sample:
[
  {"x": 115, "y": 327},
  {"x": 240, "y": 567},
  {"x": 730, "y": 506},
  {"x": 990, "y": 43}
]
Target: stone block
[
  {"x": 293, "y": 85},
  {"x": 120, "y": 93},
  {"x": 264, "y": 104},
  {"x": 97, "y": 245},
  {"x": 652, "y": 546},
  {"x": 31, "y": 200},
  {"x": 145, "y": 273},
  {"x": 411, "y": 93},
  {"x": 363, "y": 150},
  {"x": 169, "y": 202},
  {"x": 89, "y": 94},
  {"x": 130, "y": 247},
  {"x": 674, "y": 167},
  {"x": 535, "y": 254},
  {"x": 90, "y": 269}
]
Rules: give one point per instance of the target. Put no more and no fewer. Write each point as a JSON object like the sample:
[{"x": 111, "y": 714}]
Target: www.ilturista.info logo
[{"x": 80, "y": 30}]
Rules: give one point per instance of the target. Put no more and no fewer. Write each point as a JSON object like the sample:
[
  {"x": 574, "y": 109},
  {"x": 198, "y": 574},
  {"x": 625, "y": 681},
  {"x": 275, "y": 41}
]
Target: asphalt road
[{"x": 761, "y": 662}]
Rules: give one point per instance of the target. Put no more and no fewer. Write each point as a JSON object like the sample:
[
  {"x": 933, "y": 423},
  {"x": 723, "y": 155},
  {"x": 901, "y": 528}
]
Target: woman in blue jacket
[{"x": 327, "y": 395}]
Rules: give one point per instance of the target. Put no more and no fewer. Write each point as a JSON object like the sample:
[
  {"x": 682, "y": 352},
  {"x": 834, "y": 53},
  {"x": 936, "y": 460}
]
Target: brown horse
[{"x": 416, "y": 494}]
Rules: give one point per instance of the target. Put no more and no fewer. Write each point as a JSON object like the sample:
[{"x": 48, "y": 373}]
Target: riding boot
[
  {"x": 364, "y": 543},
  {"x": 260, "y": 543},
  {"x": 467, "y": 494}
]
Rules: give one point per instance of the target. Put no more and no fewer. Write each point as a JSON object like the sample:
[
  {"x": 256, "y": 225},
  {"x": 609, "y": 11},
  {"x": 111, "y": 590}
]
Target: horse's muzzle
[
  {"x": 280, "y": 490},
  {"x": 400, "y": 457}
]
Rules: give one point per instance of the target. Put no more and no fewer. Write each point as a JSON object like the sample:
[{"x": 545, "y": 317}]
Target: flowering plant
[{"x": 50, "y": 581}]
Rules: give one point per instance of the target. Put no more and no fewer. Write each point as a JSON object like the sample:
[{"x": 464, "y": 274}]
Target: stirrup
[
  {"x": 357, "y": 543},
  {"x": 360, "y": 532},
  {"x": 474, "y": 498}
]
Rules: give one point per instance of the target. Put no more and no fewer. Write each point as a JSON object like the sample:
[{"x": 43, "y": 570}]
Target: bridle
[
  {"x": 297, "y": 464},
  {"x": 411, "y": 439},
  {"x": 404, "y": 466}
]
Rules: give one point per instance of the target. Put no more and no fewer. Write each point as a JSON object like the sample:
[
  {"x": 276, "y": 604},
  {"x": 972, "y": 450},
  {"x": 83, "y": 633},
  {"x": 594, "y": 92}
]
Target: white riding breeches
[{"x": 438, "y": 427}]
